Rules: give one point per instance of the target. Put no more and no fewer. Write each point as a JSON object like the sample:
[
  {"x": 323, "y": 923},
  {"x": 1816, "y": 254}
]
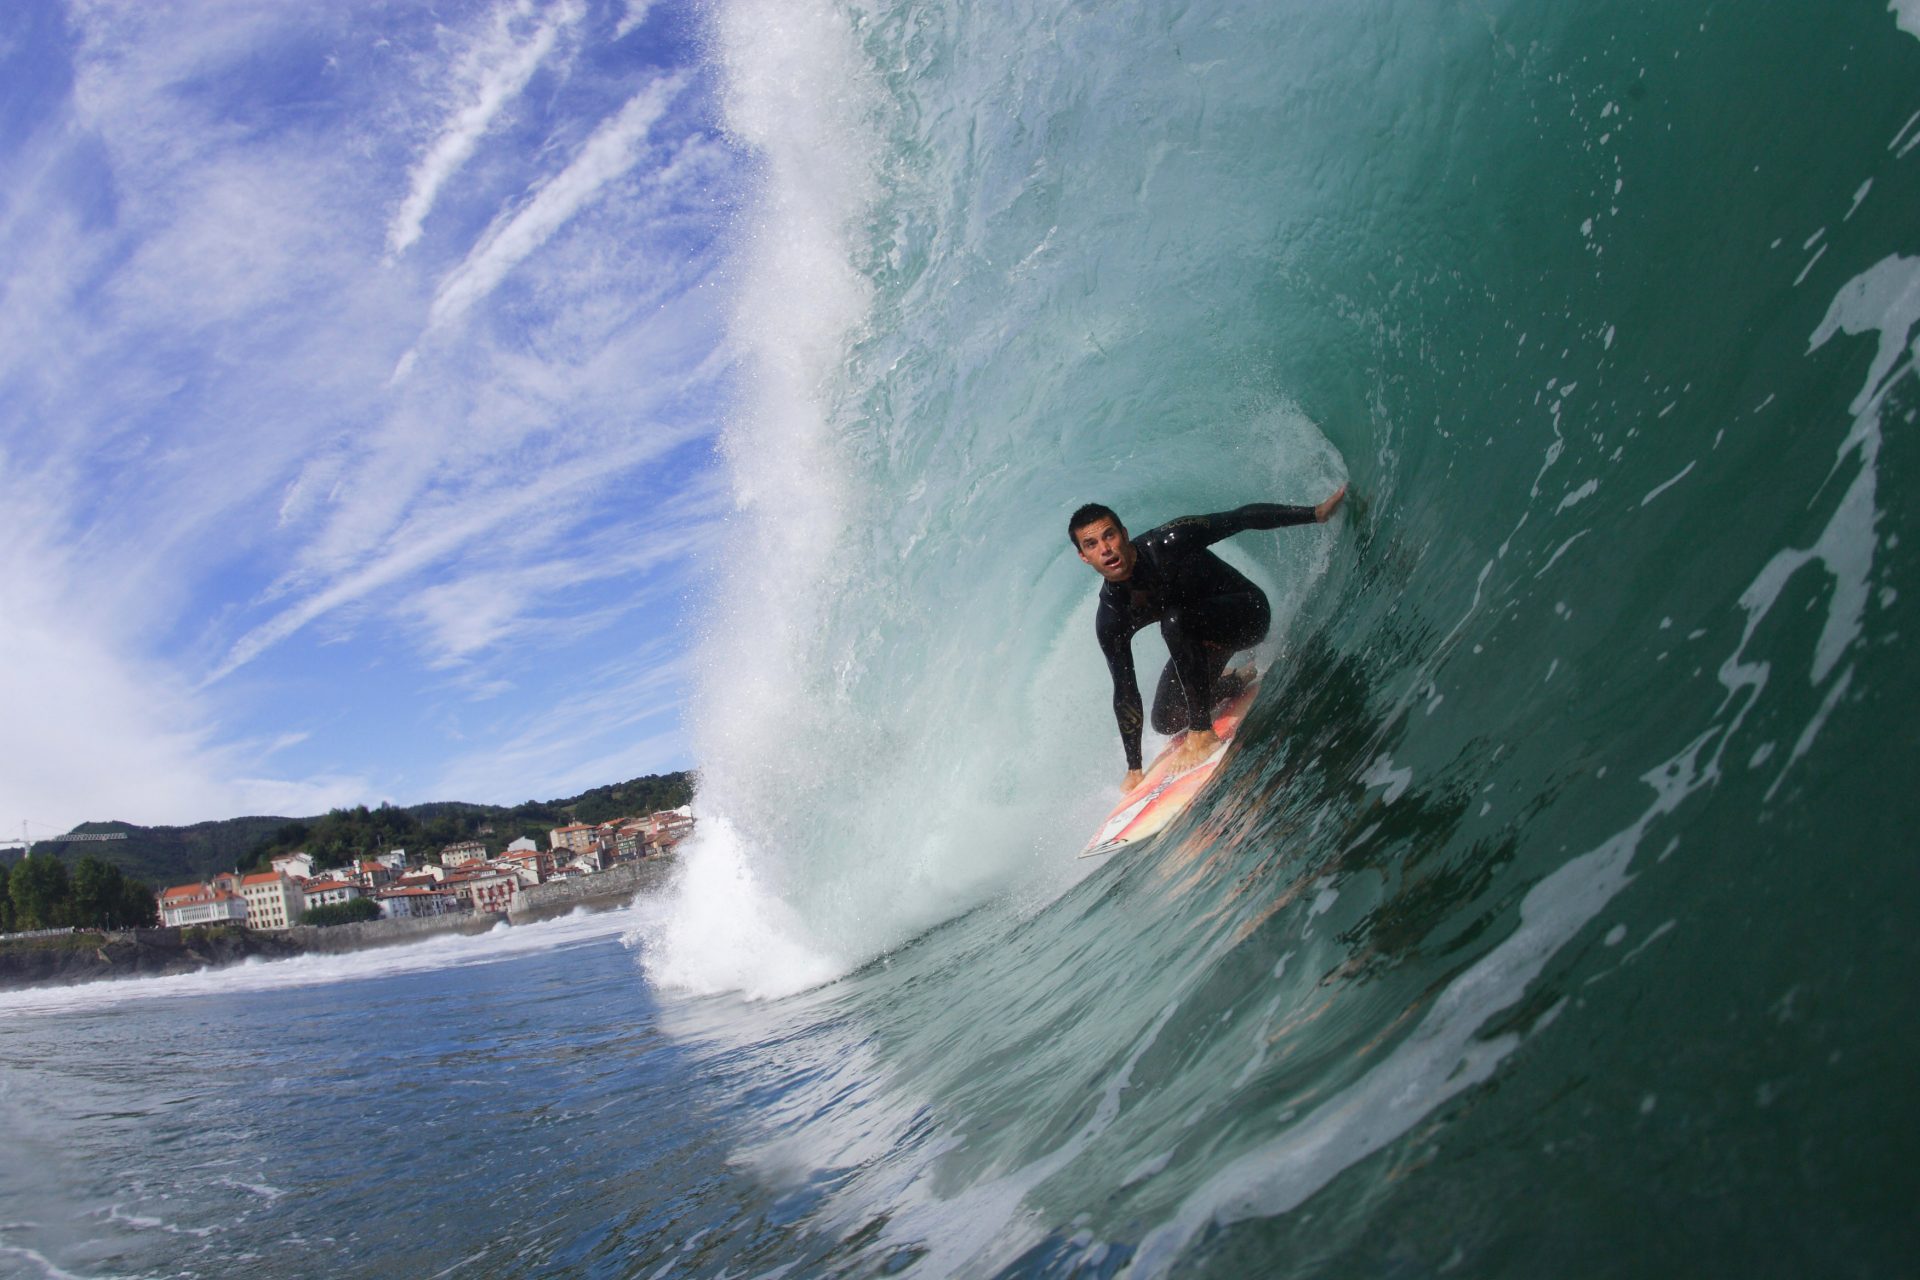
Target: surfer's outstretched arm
[{"x": 1189, "y": 533}]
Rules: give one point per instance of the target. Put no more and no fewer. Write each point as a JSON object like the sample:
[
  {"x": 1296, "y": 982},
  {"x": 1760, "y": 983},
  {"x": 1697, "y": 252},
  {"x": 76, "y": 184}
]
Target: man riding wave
[{"x": 1207, "y": 611}]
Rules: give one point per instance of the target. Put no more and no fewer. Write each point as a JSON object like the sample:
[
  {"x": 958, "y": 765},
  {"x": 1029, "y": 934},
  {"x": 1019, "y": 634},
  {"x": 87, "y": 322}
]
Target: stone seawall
[
  {"x": 134, "y": 953},
  {"x": 362, "y": 934},
  {"x": 611, "y": 888}
]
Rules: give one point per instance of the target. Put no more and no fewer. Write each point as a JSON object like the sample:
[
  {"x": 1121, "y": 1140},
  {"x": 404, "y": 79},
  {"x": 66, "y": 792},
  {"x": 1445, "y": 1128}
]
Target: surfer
[{"x": 1207, "y": 612}]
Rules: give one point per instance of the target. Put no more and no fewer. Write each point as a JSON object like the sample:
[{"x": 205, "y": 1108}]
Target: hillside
[{"x": 176, "y": 855}]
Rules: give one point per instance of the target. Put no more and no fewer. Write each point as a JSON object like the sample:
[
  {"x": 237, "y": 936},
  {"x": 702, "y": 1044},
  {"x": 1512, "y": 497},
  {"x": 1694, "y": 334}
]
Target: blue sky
[{"x": 361, "y": 367}]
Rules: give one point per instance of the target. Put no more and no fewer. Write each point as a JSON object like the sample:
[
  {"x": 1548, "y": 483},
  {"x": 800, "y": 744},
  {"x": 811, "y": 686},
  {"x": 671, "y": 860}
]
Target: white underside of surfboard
[{"x": 1138, "y": 817}]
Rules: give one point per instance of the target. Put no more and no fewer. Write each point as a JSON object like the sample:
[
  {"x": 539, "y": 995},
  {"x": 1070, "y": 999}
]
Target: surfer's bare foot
[
  {"x": 1192, "y": 749},
  {"x": 1324, "y": 512},
  {"x": 1133, "y": 779}
]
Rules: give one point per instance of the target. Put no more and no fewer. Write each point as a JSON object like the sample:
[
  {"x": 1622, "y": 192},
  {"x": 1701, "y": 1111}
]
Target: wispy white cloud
[
  {"x": 96, "y": 729},
  {"x": 479, "y": 611},
  {"x": 422, "y": 541},
  {"x": 633, "y": 19},
  {"x": 491, "y": 73},
  {"x": 198, "y": 331},
  {"x": 613, "y": 149},
  {"x": 608, "y": 724}
]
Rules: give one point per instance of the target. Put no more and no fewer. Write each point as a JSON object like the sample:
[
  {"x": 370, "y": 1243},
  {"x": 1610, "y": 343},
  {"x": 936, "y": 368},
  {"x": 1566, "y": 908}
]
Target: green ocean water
[{"x": 1554, "y": 914}]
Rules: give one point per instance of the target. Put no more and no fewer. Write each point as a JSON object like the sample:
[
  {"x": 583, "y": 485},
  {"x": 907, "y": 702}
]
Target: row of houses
[
  {"x": 624, "y": 838},
  {"x": 462, "y": 879}
]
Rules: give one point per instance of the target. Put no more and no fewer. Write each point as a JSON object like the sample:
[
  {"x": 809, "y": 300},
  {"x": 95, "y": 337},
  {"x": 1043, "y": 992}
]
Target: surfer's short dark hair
[{"x": 1086, "y": 515}]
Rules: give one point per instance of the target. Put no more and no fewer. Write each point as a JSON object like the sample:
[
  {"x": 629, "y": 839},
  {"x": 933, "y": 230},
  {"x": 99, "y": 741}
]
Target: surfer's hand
[
  {"x": 1324, "y": 512},
  {"x": 1132, "y": 780}
]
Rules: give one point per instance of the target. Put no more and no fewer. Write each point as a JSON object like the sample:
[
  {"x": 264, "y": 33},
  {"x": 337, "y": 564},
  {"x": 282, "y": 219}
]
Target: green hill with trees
[
  {"x": 39, "y": 893},
  {"x": 162, "y": 856}
]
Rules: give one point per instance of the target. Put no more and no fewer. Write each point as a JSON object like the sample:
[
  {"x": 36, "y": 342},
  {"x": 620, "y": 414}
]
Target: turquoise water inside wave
[{"x": 1553, "y": 914}]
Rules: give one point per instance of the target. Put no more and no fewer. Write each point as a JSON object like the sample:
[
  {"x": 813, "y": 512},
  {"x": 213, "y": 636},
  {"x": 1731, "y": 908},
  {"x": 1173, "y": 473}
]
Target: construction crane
[{"x": 26, "y": 842}]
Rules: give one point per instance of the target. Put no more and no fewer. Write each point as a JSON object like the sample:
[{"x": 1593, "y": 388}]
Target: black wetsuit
[{"x": 1207, "y": 611}]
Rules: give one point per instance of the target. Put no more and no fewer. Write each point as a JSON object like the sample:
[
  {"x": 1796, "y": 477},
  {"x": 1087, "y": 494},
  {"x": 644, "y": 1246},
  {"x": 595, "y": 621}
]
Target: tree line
[
  {"x": 352, "y": 911},
  {"x": 40, "y": 893}
]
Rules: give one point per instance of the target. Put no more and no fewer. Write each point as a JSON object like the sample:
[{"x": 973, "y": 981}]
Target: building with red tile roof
[
  {"x": 488, "y": 890},
  {"x": 458, "y": 855},
  {"x": 412, "y": 901},
  {"x": 329, "y": 893},
  {"x": 273, "y": 900},
  {"x": 190, "y": 904},
  {"x": 574, "y": 836}
]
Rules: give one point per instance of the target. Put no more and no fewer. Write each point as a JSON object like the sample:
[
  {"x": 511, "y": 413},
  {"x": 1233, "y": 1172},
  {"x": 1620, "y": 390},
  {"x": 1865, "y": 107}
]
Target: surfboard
[{"x": 1163, "y": 791}]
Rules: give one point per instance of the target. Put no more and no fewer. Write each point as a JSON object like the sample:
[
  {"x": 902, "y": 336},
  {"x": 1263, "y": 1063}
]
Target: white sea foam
[
  {"x": 901, "y": 710},
  {"x": 43, "y": 1265},
  {"x": 1907, "y": 14},
  {"x": 445, "y": 951},
  {"x": 725, "y": 930},
  {"x": 795, "y": 92},
  {"x": 815, "y": 849}
]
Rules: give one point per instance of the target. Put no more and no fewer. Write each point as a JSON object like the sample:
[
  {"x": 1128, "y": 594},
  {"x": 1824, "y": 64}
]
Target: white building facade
[
  {"x": 191, "y": 904},
  {"x": 273, "y": 900}
]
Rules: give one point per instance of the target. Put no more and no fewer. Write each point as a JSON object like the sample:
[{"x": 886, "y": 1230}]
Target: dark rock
[{"x": 67, "y": 959}]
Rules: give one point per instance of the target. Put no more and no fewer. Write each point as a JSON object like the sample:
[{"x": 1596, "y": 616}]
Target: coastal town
[{"x": 458, "y": 878}]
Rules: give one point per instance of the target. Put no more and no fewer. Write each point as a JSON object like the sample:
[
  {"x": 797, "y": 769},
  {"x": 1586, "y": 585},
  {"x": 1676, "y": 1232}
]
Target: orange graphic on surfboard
[{"x": 1164, "y": 793}]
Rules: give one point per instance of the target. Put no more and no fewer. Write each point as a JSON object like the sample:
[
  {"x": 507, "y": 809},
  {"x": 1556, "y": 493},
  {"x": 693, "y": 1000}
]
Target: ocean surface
[{"x": 1556, "y": 913}]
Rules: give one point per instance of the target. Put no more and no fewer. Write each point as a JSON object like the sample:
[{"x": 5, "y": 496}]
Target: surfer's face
[{"x": 1104, "y": 544}]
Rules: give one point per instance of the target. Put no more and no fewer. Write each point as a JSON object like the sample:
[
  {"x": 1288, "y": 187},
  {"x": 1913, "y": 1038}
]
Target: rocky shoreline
[
  {"x": 70, "y": 959},
  {"x": 135, "y": 953}
]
